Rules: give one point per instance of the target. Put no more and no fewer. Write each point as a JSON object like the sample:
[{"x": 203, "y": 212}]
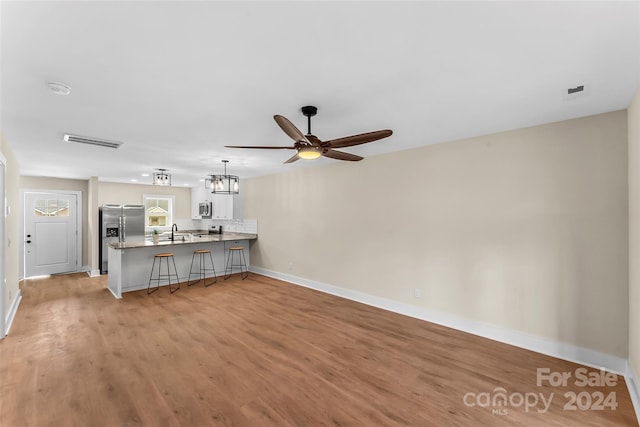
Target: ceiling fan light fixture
[{"x": 309, "y": 153}]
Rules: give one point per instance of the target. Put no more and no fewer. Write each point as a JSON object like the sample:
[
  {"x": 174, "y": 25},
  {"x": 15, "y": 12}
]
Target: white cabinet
[
  {"x": 222, "y": 206},
  {"x": 199, "y": 195}
]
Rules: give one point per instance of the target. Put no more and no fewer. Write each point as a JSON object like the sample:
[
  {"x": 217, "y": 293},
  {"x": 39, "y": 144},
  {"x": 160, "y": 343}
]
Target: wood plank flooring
[{"x": 261, "y": 352}]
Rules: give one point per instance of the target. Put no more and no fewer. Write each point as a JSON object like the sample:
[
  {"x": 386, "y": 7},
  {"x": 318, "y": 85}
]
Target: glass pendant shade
[{"x": 309, "y": 153}]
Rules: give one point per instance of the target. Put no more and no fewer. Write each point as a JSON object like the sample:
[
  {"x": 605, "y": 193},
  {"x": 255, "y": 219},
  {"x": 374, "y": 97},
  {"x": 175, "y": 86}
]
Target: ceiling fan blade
[
  {"x": 260, "y": 146},
  {"x": 340, "y": 155},
  {"x": 349, "y": 141},
  {"x": 288, "y": 128},
  {"x": 293, "y": 159}
]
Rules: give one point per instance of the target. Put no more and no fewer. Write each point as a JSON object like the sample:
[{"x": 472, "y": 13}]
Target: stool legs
[
  {"x": 176, "y": 270},
  {"x": 228, "y": 270},
  {"x": 202, "y": 271},
  {"x": 161, "y": 276},
  {"x": 151, "y": 277}
]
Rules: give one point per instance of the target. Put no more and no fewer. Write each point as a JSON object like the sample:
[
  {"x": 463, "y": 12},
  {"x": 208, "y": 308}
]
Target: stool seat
[
  {"x": 202, "y": 270},
  {"x": 241, "y": 263},
  {"x": 168, "y": 276}
]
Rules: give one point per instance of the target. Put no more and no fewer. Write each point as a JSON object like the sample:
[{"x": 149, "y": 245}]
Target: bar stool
[
  {"x": 202, "y": 271},
  {"x": 168, "y": 276},
  {"x": 241, "y": 262}
]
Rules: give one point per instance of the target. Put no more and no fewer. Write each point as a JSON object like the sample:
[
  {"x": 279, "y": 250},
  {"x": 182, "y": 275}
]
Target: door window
[{"x": 51, "y": 207}]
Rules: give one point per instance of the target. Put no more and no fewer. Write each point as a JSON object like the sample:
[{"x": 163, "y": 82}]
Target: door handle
[{"x": 28, "y": 241}]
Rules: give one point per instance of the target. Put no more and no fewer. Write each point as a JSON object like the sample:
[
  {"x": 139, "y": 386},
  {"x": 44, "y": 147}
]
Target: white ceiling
[{"x": 176, "y": 81}]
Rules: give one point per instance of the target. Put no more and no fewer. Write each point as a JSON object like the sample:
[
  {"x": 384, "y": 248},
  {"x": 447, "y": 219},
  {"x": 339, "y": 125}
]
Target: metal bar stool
[
  {"x": 228, "y": 270},
  {"x": 160, "y": 276},
  {"x": 202, "y": 271}
]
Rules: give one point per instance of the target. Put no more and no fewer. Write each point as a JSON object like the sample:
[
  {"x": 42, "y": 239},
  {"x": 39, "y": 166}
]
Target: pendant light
[
  {"x": 223, "y": 184},
  {"x": 161, "y": 177}
]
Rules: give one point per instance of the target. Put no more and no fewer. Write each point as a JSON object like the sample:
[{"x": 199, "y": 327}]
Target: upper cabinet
[
  {"x": 222, "y": 203},
  {"x": 199, "y": 195},
  {"x": 222, "y": 206}
]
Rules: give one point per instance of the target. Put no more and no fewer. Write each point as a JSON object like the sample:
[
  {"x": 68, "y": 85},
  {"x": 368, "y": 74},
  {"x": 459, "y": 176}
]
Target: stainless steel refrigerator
[{"x": 119, "y": 223}]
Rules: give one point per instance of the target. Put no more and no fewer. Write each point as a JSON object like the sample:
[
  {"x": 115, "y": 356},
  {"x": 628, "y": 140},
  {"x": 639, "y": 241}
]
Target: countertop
[{"x": 206, "y": 238}]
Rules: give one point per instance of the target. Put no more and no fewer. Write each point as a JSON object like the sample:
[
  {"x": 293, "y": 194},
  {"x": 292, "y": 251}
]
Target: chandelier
[
  {"x": 161, "y": 177},
  {"x": 223, "y": 184}
]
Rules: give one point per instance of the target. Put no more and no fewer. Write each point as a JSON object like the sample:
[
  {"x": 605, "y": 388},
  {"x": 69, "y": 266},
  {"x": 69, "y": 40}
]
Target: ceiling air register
[{"x": 92, "y": 141}]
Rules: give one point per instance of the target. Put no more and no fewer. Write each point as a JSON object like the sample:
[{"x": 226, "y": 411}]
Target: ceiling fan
[{"x": 309, "y": 147}]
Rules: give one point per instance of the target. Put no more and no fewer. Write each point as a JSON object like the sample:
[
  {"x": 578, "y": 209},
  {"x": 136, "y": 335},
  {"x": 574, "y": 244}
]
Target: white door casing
[
  {"x": 3, "y": 240},
  {"x": 51, "y": 233}
]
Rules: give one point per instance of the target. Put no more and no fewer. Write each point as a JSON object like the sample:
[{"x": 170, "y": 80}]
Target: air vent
[
  {"x": 576, "y": 89},
  {"x": 92, "y": 141}
]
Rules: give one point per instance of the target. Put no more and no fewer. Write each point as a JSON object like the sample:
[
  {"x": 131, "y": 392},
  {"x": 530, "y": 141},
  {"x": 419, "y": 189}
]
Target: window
[
  {"x": 49, "y": 207},
  {"x": 158, "y": 211}
]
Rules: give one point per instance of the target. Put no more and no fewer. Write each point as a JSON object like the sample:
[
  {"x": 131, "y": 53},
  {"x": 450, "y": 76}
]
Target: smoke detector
[{"x": 59, "y": 88}]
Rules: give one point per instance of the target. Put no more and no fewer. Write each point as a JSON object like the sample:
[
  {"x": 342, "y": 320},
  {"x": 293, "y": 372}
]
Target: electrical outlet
[{"x": 417, "y": 292}]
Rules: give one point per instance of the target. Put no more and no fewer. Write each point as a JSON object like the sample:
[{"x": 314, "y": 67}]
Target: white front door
[{"x": 50, "y": 228}]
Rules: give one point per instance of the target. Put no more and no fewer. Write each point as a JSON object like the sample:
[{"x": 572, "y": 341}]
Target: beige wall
[
  {"x": 12, "y": 224},
  {"x": 110, "y": 192},
  {"x": 524, "y": 229},
  {"x": 634, "y": 234}
]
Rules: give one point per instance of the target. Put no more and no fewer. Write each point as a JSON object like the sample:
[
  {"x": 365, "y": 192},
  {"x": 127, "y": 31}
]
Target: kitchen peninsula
[{"x": 130, "y": 262}]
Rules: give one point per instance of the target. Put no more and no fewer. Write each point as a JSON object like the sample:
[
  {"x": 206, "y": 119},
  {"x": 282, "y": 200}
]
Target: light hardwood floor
[{"x": 261, "y": 352}]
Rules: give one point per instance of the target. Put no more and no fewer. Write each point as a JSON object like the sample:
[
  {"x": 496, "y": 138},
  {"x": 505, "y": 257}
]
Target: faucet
[{"x": 174, "y": 226}]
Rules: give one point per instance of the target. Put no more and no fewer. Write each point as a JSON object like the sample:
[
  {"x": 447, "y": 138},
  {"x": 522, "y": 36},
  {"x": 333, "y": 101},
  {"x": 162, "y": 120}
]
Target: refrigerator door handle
[{"x": 121, "y": 225}]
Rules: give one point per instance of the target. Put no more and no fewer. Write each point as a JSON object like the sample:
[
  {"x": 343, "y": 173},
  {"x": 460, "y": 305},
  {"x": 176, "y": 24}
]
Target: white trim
[
  {"x": 92, "y": 273},
  {"x": 4, "y": 326},
  {"x": 634, "y": 389},
  {"x": 79, "y": 219},
  {"x": 13, "y": 310},
  {"x": 573, "y": 353}
]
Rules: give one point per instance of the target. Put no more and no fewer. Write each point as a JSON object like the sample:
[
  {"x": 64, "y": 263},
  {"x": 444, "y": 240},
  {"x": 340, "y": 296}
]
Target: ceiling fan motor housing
[{"x": 309, "y": 110}]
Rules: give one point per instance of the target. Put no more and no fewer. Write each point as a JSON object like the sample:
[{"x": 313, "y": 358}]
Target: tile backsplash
[{"x": 228, "y": 225}]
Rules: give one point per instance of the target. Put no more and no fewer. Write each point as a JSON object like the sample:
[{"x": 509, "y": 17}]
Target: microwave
[{"x": 205, "y": 209}]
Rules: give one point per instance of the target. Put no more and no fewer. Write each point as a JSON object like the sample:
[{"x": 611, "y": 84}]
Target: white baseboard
[
  {"x": 93, "y": 273},
  {"x": 546, "y": 346},
  {"x": 12, "y": 311},
  {"x": 634, "y": 389}
]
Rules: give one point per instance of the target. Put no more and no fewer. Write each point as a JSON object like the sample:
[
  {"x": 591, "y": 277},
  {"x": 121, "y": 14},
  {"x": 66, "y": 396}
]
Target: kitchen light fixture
[
  {"x": 161, "y": 177},
  {"x": 59, "y": 88},
  {"x": 309, "y": 152},
  {"x": 223, "y": 184}
]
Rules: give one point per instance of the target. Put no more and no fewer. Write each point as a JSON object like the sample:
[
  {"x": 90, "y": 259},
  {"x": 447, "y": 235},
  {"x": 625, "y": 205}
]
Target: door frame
[
  {"x": 3, "y": 252},
  {"x": 79, "y": 219}
]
